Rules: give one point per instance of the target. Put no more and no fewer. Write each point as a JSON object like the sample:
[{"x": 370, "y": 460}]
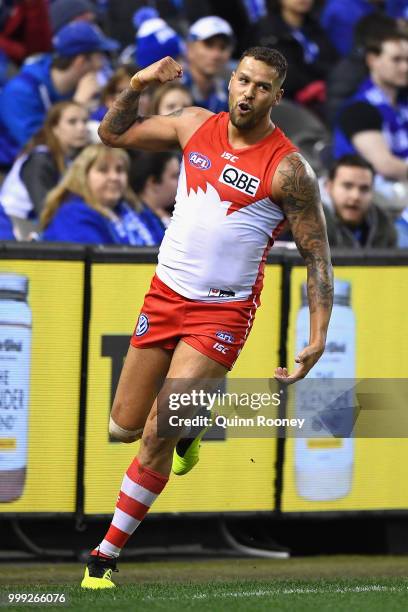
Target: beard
[{"x": 244, "y": 122}]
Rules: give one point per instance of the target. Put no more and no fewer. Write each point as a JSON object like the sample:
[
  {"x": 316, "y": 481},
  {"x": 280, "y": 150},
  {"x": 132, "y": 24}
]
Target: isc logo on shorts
[
  {"x": 200, "y": 161},
  {"x": 221, "y": 348},
  {"x": 240, "y": 180},
  {"x": 142, "y": 325}
]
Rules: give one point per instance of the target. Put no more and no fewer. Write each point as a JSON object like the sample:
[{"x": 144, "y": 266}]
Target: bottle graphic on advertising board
[
  {"x": 324, "y": 465},
  {"x": 15, "y": 357}
]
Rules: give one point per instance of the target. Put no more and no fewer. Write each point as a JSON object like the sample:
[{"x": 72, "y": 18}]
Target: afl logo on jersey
[
  {"x": 142, "y": 325},
  {"x": 200, "y": 161}
]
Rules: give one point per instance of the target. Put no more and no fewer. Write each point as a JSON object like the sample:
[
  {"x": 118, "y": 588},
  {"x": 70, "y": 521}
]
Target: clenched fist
[{"x": 166, "y": 69}]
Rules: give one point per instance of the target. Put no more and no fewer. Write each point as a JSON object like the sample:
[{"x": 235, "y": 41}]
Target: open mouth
[{"x": 244, "y": 107}]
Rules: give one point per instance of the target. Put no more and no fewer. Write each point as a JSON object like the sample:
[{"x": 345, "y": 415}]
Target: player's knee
[
  {"x": 124, "y": 435},
  {"x": 155, "y": 446}
]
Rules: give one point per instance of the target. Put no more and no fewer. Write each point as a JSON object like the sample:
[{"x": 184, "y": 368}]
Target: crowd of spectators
[{"x": 64, "y": 62}]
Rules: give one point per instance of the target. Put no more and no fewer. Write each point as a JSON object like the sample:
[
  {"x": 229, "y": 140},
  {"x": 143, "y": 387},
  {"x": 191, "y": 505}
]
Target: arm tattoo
[
  {"x": 301, "y": 204},
  {"x": 122, "y": 114}
]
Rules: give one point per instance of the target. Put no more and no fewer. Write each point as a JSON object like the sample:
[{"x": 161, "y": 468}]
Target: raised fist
[{"x": 166, "y": 69}]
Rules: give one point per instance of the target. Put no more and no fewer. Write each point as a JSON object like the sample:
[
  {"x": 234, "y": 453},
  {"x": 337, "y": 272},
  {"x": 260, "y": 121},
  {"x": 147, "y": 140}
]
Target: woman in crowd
[
  {"x": 291, "y": 28},
  {"x": 154, "y": 178},
  {"x": 44, "y": 160},
  {"x": 93, "y": 203},
  {"x": 170, "y": 97}
]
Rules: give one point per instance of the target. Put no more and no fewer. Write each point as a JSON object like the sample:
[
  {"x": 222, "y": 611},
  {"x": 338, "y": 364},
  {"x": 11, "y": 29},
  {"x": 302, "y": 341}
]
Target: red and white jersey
[{"x": 224, "y": 221}]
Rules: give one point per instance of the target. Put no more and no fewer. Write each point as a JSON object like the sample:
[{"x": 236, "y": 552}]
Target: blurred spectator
[
  {"x": 118, "y": 82},
  {"x": 346, "y": 76},
  {"x": 62, "y": 12},
  {"x": 25, "y": 28},
  {"x": 44, "y": 159},
  {"x": 401, "y": 225},
  {"x": 154, "y": 178},
  {"x": 71, "y": 72},
  {"x": 374, "y": 122},
  {"x": 339, "y": 18},
  {"x": 154, "y": 39},
  {"x": 6, "y": 228},
  {"x": 170, "y": 97},
  {"x": 354, "y": 220},
  {"x": 120, "y": 13},
  {"x": 93, "y": 204},
  {"x": 242, "y": 15},
  {"x": 292, "y": 29},
  {"x": 209, "y": 48}
]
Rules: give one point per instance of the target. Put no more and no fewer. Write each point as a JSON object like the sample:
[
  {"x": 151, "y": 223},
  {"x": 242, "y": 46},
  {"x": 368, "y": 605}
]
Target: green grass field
[{"x": 349, "y": 584}]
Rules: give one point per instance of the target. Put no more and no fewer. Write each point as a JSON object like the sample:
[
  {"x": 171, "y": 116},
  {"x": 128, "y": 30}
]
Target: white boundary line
[{"x": 278, "y": 591}]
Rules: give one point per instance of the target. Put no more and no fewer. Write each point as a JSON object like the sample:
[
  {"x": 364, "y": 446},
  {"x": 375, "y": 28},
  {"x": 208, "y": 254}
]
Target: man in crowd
[
  {"x": 154, "y": 178},
  {"x": 209, "y": 47},
  {"x": 354, "y": 220},
  {"x": 374, "y": 122},
  {"x": 69, "y": 73}
]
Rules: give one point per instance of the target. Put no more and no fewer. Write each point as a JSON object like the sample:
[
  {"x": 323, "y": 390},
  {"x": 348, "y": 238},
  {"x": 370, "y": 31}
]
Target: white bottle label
[
  {"x": 324, "y": 463},
  {"x": 15, "y": 347}
]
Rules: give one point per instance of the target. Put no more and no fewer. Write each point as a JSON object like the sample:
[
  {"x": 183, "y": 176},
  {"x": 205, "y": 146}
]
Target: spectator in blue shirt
[
  {"x": 154, "y": 178},
  {"x": 70, "y": 73},
  {"x": 93, "y": 204},
  {"x": 374, "y": 122},
  {"x": 209, "y": 48}
]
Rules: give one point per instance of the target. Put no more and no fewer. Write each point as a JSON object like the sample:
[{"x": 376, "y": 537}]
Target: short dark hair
[
  {"x": 353, "y": 161},
  {"x": 272, "y": 57},
  {"x": 149, "y": 165},
  {"x": 373, "y": 27},
  {"x": 375, "y": 44}
]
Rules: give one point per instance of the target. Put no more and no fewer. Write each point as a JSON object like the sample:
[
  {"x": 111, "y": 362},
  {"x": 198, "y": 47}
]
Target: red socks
[{"x": 139, "y": 489}]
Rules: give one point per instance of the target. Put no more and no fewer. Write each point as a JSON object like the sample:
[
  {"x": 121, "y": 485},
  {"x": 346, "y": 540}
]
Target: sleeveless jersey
[{"x": 224, "y": 220}]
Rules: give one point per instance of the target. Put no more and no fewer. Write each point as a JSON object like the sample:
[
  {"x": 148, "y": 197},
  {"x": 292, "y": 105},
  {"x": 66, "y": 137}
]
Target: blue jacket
[
  {"x": 75, "y": 221},
  {"x": 338, "y": 19},
  {"x": 6, "y": 229},
  {"x": 24, "y": 102},
  {"x": 153, "y": 224}
]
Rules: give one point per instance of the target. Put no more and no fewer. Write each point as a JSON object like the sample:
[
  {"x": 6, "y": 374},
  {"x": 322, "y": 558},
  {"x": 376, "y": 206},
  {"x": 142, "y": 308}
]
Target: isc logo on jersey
[
  {"x": 200, "y": 161},
  {"x": 240, "y": 180}
]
